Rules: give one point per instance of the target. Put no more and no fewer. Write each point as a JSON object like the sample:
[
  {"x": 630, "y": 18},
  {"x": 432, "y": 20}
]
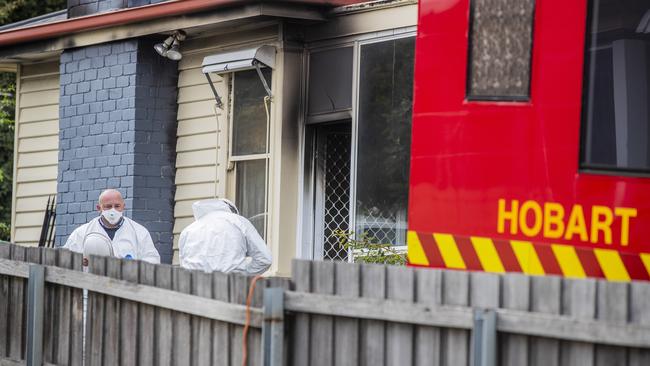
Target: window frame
[
  {"x": 233, "y": 160},
  {"x": 468, "y": 66},
  {"x": 306, "y": 226},
  {"x": 587, "y": 99},
  {"x": 355, "y": 126},
  {"x": 231, "y": 91},
  {"x": 337, "y": 114}
]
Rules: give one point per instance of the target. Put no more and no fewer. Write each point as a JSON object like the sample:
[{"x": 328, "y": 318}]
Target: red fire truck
[{"x": 531, "y": 129}]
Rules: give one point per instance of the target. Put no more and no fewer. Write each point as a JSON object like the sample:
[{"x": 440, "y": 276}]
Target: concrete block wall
[
  {"x": 154, "y": 149},
  {"x": 117, "y": 130}
]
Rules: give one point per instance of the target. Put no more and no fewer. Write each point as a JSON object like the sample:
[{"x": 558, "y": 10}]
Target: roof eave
[{"x": 131, "y": 15}]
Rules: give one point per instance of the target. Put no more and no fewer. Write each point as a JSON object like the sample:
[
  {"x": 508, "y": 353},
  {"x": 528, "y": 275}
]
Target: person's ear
[{"x": 99, "y": 208}]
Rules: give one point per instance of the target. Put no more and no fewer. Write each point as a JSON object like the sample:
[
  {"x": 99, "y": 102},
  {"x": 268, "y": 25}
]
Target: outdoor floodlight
[
  {"x": 170, "y": 48},
  {"x": 174, "y": 52},
  {"x": 162, "y": 48}
]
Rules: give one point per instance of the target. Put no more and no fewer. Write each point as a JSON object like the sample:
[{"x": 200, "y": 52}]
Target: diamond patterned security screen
[{"x": 337, "y": 193}]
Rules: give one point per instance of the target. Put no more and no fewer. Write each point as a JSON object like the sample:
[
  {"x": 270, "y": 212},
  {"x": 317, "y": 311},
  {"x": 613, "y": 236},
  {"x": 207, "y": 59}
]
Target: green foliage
[
  {"x": 5, "y": 232},
  {"x": 7, "y": 115},
  {"x": 13, "y": 11},
  {"x": 366, "y": 250}
]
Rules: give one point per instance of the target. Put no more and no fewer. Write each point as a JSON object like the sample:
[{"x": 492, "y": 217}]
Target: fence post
[
  {"x": 484, "y": 338},
  {"x": 35, "y": 302},
  {"x": 273, "y": 327}
]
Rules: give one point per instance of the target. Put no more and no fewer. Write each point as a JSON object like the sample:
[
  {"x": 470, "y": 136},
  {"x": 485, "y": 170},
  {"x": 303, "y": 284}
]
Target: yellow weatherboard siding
[
  {"x": 612, "y": 264},
  {"x": 487, "y": 255},
  {"x": 416, "y": 254},
  {"x": 449, "y": 250},
  {"x": 568, "y": 260},
  {"x": 200, "y": 166},
  {"x": 36, "y": 148}
]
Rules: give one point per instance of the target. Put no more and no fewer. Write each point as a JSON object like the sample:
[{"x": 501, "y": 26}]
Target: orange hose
[{"x": 249, "y": 299}]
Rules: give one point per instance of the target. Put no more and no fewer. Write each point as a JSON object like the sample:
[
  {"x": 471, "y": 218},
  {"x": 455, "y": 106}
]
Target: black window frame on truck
[{"x": 615, "y": 129}]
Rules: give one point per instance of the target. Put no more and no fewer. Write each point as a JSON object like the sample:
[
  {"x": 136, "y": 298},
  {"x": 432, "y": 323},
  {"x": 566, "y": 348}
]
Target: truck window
[
  {"x": 500, "y": 44},
  {"x": 616, "y": 99}
]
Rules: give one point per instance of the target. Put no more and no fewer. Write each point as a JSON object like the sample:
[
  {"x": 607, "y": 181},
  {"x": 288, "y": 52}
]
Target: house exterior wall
[
  {"x": 286, "y": 157},
  {"x": 117, "y": 130},
  {"x": 201, "y": 170},
  {"x": 201, "y": 160},
  {"x": 111, "y": 137},
  {"x": 36, "y": 148}
]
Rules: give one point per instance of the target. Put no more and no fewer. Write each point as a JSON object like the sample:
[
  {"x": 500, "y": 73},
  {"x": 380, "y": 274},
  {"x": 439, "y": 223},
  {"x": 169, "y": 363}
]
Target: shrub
[{"x": 365, "y": 249}]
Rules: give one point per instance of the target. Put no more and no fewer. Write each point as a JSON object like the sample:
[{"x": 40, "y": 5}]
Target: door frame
[
  {"x": 314, "y": 187},
  {"x": 305, "y": 223}
]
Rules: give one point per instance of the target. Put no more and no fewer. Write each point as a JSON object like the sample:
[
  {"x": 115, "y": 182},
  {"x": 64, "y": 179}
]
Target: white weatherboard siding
[
  {"x": 197, "y": 174},
  {"x": 35, "y": 148}
]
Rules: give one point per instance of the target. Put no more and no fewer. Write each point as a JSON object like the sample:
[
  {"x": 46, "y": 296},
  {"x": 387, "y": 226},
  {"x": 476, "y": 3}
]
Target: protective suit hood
[
  {"x": 204, "y": 207},
  {"x": 221, "y": 240}
]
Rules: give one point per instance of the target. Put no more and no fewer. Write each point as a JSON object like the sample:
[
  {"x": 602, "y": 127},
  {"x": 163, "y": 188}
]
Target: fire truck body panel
[{"x": 509, "y": 171}]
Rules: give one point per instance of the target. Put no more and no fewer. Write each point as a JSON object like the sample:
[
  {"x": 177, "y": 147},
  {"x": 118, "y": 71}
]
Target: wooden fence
[
  {"x": 543, "y": 321},
  {"x": 138, "y": 313},
  {"x": 330, "y": 313}
]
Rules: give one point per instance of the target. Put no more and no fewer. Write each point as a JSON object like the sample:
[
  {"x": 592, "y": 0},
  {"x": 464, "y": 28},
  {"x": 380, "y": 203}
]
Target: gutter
[{"x": 131, "y": 15}]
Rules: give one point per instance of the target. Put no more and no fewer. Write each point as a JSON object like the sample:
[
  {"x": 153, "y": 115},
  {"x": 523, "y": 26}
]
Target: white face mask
[{"x": 113, "y": 216}]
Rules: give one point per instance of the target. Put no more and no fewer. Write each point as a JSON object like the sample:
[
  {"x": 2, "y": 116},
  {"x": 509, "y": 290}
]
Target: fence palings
[
  {"x": 74, "y": 262},
  {"x": 346, "y": 330},
  {"x": 146, "y": 334},
  {"x": 95, "y": 317},
  {"x": 338, "y": 314},
  {"x": 17, "y": 309},
  {"x": 427, "y": 339},
  {"x": 220, "y": 330},
  {"x": 201, "y": 348},
  {"x": 130, "y": 325},
  {"x": 5, "y": 293},
  {"x": 50, "y": 327},
  {"x": 163, "y": 321},
  {"x": 541, "y": 320}
]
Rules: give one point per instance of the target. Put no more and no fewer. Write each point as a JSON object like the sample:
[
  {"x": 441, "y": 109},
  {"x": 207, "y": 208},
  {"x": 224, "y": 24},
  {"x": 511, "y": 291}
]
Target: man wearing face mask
[{"x": 123, "y": 237}]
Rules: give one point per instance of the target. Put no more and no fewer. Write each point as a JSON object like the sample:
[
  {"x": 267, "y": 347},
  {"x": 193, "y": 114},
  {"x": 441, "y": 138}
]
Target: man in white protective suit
[
  {"x": 113, "y": 234},
  {"x": 221, "y": 240}
]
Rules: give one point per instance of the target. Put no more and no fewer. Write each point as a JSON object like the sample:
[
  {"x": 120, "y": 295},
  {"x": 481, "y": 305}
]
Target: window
[
  {"x": 500, "y": 49},
  {"x": 616, "y": 116},
  {"x": 357, "y": 143},
  {"x": 331, "y": 73},
  {"x": 384, "y": 139},
  {"x": 249, "y": 145}
]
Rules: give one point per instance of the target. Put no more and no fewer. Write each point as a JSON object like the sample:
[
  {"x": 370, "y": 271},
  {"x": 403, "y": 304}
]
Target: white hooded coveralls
[
  {"x": 131, "y": 239},
  {"x": 220, "y": 240}
]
